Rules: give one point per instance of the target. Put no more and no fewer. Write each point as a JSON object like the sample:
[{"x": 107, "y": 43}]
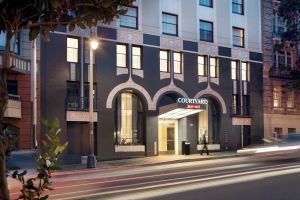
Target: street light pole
[{"x": 91, "y": 160}]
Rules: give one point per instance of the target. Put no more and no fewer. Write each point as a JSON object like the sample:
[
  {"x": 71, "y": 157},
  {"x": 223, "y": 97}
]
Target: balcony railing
[
  {"x": 21, "y": 65},
  {"x": 76, "y": 103},
  {"x": 282, "y": 72},
  {"x": 241, "y": 111}
]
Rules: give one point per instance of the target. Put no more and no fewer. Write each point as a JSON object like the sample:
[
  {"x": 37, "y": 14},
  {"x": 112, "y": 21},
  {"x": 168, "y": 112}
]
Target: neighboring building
[
  {"x": 281, "y": 105},
  {"x": 18, "y": 114},
  {"x": 166, "y": 72}
]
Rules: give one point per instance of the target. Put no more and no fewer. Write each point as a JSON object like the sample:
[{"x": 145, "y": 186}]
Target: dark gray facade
[{"x": 151, "y": 86}]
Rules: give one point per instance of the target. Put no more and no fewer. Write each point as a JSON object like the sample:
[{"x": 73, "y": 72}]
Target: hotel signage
[{"x": 192, "y": 103}]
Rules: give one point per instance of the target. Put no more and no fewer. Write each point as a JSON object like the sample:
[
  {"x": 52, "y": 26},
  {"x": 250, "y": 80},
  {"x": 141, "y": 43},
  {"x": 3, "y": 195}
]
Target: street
[{"x": 228, "y": 178}]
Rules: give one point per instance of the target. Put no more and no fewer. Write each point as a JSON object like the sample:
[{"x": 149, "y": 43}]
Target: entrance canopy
[{"x": 184, "y": 107}]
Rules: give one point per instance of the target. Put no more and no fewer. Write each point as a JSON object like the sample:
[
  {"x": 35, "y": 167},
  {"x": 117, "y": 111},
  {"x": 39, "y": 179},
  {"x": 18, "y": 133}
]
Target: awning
[{"x": 177, "y": 111}]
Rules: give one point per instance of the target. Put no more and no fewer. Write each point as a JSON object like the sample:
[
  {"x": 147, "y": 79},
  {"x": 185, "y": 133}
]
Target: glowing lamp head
[{"x": 94, "y": 44}]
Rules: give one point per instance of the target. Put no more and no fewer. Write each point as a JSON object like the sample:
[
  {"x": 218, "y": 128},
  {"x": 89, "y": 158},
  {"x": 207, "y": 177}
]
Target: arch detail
[
  {"x": 130, "y": 84},
  {"x": 215, "y": 94}
]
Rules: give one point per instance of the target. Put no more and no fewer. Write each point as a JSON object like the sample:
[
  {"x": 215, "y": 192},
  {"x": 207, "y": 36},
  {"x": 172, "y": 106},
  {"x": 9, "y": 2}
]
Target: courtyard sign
[{"x": 192, "y": 103}]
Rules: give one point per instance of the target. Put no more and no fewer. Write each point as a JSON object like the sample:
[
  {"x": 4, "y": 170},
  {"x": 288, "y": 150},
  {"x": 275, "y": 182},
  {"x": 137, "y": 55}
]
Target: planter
[{"x": 129, "y": 148}]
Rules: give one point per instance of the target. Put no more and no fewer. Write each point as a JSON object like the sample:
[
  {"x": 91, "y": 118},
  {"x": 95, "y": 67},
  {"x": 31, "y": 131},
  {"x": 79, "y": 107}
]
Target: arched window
[{"x": 129, "y": 119}]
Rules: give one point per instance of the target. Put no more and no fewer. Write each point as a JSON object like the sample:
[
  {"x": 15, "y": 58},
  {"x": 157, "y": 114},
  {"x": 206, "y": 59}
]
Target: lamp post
[{"x": 91, "y": 160}]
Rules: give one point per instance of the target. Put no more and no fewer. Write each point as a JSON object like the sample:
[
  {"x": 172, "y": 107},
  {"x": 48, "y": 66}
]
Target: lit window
[
  {"x": 164, "y": 63},
  {"x": 235, "y": 103},
  {"x": 245, "y": 72},
  {"x": 213, "y": 67},
  {"x": 276, "y": 97},
  {"x": 136, "y": 58},
  {"x": 234, "y": 70},
  {"x": 129, "y": 119},
  {"x": 207, "y": 3},
  {"x": 130, "y": 18},
  {"x": 177, "y": 63},
  {"x": 121, "y": 55},
  {"x": 72, "y": 50},
  {"x": 201, "y": 65},
  {"x": 290, "y": 100},
  {"x": 206, "y": 31},
  {"x": 238, "y": 37},
  {"x": 238, "y": 6},
  {"x": 169, "y": 24}
]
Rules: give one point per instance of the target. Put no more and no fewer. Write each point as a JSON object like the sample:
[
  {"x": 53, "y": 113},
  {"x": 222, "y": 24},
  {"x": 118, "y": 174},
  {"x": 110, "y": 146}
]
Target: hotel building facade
[{"x": 167, "y": 71}]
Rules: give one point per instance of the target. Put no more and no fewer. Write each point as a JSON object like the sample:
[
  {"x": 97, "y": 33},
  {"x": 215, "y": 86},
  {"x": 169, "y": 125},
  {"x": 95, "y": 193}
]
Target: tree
[
  {"x": 289, "y": 10},
  {"x": 42, "y": 17}
]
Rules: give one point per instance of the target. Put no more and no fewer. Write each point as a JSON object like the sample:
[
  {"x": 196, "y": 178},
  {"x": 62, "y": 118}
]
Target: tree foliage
[
  {"x": 33, "y": 188},
  {"x": 41, "y": 17}
]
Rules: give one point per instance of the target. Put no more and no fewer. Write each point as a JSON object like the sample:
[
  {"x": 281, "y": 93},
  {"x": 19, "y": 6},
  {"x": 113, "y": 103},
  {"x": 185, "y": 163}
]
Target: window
[
  {"x": 238, "y": 6},
  {"x": 213, "y": 68},
  {"x": 238, "y": 37},
  {"x": 169, "y": 24},
  {"x": 129, "y": 119},
  {"x": 283, "y": 59},
  {"x": 245, "y": 72},
  {"x": 206, "y": 31},
  {"x": 278, "y": 132},
  {"x": 136, "y": 57},
  {"x": 177, "y": 61},
  {"x": 121, "y": 55},
  {"x": 207, "y": 3},
  {"x": 292, "y": 130},
  {"x": 276, "y": 97},
  {"x": 290, "y": 99},
  {"x": 130, "y": 18},
  {"x": 202, "y": 63},
  {"x": 234, "y": 70},
  {"x": 164, "y": 61},
  {"x": 246, "y": 105},
  {"x": 72, "y": 72},
  {"x": 72, "y": 50},
  {"x": 235, "y": 103},
  {"x": 2, "y": 43},
  {"x": 12, "y": 87}
]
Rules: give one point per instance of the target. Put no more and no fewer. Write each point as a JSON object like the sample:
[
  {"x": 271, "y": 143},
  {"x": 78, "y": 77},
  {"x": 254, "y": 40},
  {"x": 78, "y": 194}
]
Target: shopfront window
[{"x": 129, "y": 119}]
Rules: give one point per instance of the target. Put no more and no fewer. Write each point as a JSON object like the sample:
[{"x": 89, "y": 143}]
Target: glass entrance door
[
  {"x": 167, "y": 137},
  {"x": 170, "y": 139}
]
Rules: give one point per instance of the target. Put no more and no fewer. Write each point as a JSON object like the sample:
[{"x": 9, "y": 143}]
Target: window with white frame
[
  {"x": 276, "y": 97},
  {"x": 169, "y": 24},
  {"x": 238, "y": 37},
  {"x": 72, "y": 50},
  {"x": 207, "y": 3},
  {"x": 121, "y": 55},
  {"x": 164, "y": 60},
  {"x": 177, "y": 61},
  {"x": 234, "y": 70},
  {"x": 202, "y": 65},
  {"x": 290, "y": 99},
  {"x": 238, "y": 6},
  {"x": 213, "y": 67},
  {"x": 245, "y": 71},
  {"x": 130, "y": 18},
  {"x": 136, "y": 57},
  {"x": 283, "y": 59}
]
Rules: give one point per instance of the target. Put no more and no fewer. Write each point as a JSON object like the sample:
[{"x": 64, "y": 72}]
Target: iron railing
[
  {"x": 241, "y": 111},
  {"x": 76, "y": 103}
]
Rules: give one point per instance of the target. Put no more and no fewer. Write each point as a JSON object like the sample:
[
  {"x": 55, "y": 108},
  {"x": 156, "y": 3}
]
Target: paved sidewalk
[{"x": 153, "y": 160}]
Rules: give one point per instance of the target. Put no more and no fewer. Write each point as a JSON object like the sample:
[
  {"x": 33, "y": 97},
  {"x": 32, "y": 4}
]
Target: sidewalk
[{"x": 150, "y": 161}]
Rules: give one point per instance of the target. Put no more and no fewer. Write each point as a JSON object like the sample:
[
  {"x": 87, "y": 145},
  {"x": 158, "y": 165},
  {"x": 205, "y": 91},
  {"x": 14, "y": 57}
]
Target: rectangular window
[
  {"x": 246, "y": 105},
  {"x": 235, "y": 103},
  {"x": 290, "y": 99},
  {"x": 213, "y": 67},
  {"x": 281, "y": 59},
  {"x": 292, "y": 130},
  {"x": 278, "y": 132},
  {"x": 288, "y": 59},
  {"x": 206, "y": 31},
  {"x": 130, "y": 18},
  {"x": 177, "y": 61},
  {"x": 164, "y": 61},
  {"x": 169, "y": 24},
  {"x": 2, "y": 43},
  {"x": 121, "y": 55},
  {"x": 245, "y": 72},
  {"x": 136, "y": 57},
  {"x": 207, "y": 3},
  {"x": 276, "y": 97},
  {"x": 238, "y": 6},
  {"x": 238, "y": 37},
  {"x": 72, "y": 50},
  {"x": 72, "y": 72},
  {"x": 234, "y": 70},
  {"x": 202, "y": 63},
  {"x": 12, "y": 87}
]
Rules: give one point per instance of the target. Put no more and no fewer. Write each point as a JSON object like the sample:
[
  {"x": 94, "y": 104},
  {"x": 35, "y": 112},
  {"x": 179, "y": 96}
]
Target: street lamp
[{"x": 91, "y": 160}]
